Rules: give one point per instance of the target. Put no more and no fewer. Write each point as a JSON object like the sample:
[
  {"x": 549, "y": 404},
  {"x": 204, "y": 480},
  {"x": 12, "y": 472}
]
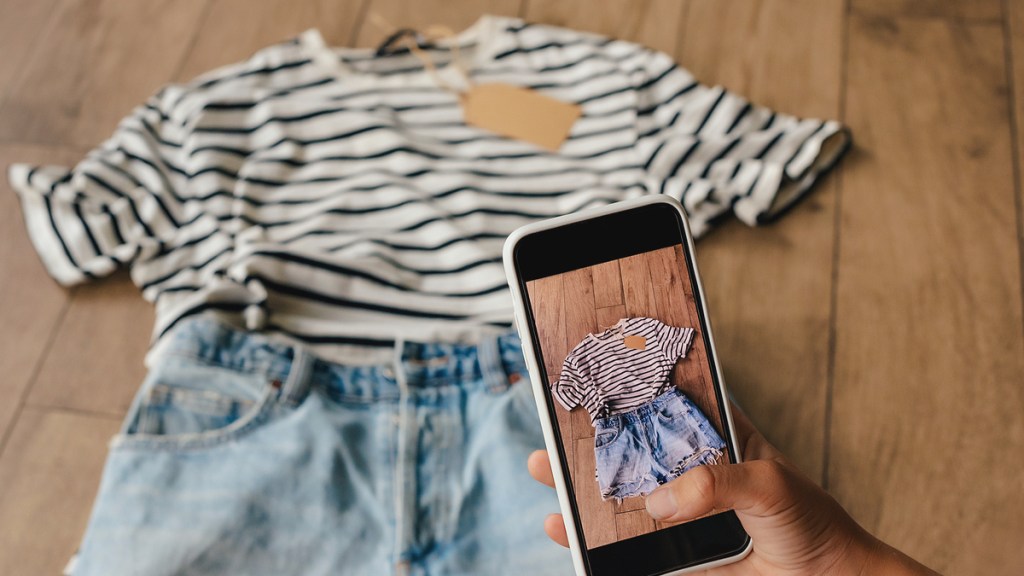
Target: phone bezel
[{"x": 579, "y": 235}]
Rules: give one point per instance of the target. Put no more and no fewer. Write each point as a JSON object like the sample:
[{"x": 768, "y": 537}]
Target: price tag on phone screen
[{"x": 635, "y": 342}]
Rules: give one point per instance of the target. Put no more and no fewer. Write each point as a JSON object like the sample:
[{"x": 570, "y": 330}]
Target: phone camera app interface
[{"x": 632, "y": 386}]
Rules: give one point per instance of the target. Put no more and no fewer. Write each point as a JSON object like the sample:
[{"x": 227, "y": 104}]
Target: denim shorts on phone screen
[
  {"x": 641, "y": 449},
  {"x": 247, "y": 457}
]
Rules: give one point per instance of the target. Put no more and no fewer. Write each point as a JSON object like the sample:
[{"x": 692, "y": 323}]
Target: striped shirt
[
  {"x": 335, "y": 197},
  {"x": 607, "y": 377}
]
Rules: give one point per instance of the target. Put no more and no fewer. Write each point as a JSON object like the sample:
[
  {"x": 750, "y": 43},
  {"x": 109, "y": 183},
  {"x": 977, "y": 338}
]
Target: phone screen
[{"x": 630, "y": 380}]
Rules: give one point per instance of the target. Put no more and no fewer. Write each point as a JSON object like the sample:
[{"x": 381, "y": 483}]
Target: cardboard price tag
[
  {"x": 519, "y": 113},
  {"x": 635, "y": 342}
]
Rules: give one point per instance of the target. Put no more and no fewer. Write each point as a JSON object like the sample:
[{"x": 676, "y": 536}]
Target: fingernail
[{"x": 661, "y": 504}]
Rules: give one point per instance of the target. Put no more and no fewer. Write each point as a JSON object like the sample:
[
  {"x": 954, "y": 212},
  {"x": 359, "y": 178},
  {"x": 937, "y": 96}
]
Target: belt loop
[
  {"x": 404, "y": 475},
  {"x": 297, "y": 384},
  {"x": 401, "y": 378},
  {"x": 492, "y": 371}
]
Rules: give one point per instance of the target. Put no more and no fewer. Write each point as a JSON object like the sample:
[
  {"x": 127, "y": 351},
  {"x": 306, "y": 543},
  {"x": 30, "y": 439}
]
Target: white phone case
[{"x": 550, "y": 439}]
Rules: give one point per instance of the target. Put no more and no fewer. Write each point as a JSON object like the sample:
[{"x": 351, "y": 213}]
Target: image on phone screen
[{"x": 632, "y": 386}]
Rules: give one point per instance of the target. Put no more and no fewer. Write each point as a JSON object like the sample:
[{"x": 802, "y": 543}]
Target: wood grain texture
[
  {"x": 597, "y": 516},
  {"x": 1015, "y": 37},
  {"x": 607, "y": 285},
  {"x": 769, "y": 288},
  {"x": 637, "y": 287},
  {"x": 654, "y": 23},
  {"x": 955, "y": 9},
  {"x": 548, "y": 308},
  {"x": 20, "y": 35},
  {"x": 629, "y": 524},
  {"x": 232, "y": 31},
  {"x": 96, "y": 61},
  {"x": 33, "y": 303},
  {"x": 930, "y": 354},
  {"x": 95, "y": 361},
  {"x": 423, "y": 13},
  {"x": 49, "y": 474},
  {"x": 608, "y": 316}
]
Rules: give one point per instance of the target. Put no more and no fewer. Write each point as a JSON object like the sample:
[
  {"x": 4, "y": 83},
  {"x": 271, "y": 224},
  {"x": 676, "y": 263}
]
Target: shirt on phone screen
[{"x": 614, "y": 372}]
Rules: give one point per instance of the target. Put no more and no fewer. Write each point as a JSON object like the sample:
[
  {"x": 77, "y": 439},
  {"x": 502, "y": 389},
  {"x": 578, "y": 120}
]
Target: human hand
[{"x": 796, "y": 527}]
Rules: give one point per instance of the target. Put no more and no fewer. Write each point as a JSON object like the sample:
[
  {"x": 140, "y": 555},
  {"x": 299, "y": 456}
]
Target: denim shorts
[
  {"x": 244, "y": 456},
  {"x": 641, "y": 449}
]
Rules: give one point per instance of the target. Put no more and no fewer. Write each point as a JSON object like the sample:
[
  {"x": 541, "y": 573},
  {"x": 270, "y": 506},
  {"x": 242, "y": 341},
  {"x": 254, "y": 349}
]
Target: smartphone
[{"x": 617, "y": 339}]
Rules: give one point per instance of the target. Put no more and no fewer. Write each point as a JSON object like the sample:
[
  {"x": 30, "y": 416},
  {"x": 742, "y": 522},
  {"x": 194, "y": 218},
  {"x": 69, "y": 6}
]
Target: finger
[
  {"x": 555, "y": 528},
  {"x": 540, "y": 468},
  {"x": 757, "y": 487}
]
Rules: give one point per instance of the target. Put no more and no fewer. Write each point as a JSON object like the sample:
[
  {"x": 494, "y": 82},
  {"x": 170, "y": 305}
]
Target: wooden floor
[
  {"x": 875, "y": 333},
  {"x": 567, "y": 307}
]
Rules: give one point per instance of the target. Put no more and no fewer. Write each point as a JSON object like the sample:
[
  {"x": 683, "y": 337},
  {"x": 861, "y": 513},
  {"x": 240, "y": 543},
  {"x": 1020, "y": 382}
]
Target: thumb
[{"x": 757, "y": 488}]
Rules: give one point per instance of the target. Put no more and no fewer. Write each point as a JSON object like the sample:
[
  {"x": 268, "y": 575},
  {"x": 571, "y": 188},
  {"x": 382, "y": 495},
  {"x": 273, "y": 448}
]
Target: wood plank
[
  {"x": 546, "y": 301},
  {"x": 232, "y": 31},
  {"x": 597, "y": 516},
  {"x": 630, "y": 504},
  {"x": 956, "y": 9},
  {"x": 423, "y": 13},
  {"x": 49, "y": 475},
  {"x": 769, "y": 288},
  {"x": 654, "y": 23},
  {"x": 33, "y": 302},
  {"x": 609, "y": 316},
  {"x": 929, "y": 362},
  {"x": 607, "y": 284},
  {"x": 754, "y": 45},
  {"x": 580, "y": 320},
  {"x": 97, "y": 60},
  {"x": 637, "y": 289},
  {"x": 1015, "y": 29},
  {"x": 20, "y": 29},
  {"x": 549, "y": 314},
  {"x": 96, "y": 360},
  {"x": 634, "y": 523},
  {"x": 674, "y": 300}
]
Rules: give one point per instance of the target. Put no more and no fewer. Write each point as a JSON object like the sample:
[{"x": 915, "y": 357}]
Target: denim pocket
[
  {"x": 605, "y": 432},
  {"x": 185, "y": 404},
  {"x": 682, "y": 420}
]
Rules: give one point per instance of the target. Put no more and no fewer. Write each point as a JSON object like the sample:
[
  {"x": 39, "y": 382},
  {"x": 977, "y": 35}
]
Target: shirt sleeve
[
  {"x": 674, "y": 341},
  {"x": 87, "y": 221},
  {"x": 568, "y": 390},
  {"x": 714, "y": 151}
]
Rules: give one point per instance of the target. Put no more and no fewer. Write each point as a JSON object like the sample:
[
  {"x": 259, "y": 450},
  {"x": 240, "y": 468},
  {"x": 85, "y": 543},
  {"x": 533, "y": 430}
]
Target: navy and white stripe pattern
[
  {"x": 333, "y": 197},
  {"x": 607, "y": 377}
]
